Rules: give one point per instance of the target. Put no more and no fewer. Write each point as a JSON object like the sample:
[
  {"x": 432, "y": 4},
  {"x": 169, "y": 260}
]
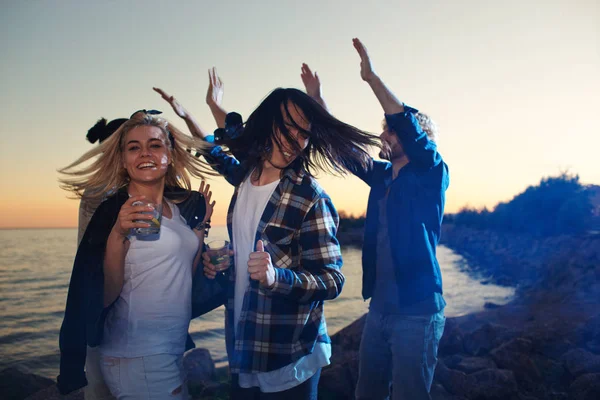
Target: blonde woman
[{"x": 132, "y": 295}]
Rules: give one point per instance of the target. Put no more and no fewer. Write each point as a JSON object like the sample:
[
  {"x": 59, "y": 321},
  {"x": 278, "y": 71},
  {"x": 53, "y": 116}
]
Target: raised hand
[
  {"x": 311, "y": 82},
  {"x": 366, "y": 69},
  {"x": 178, "y": 108},
  {"x": 260, "y": 267},
  {"x": 207, "y": 194},
  {"x": 214, "y": 94}
]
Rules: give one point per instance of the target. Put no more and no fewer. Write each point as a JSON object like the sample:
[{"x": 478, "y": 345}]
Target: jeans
[
  {"x": 307, "y": 390},
  {"x": 155, "y": 377},
  {"x": 400, "y": 350}
]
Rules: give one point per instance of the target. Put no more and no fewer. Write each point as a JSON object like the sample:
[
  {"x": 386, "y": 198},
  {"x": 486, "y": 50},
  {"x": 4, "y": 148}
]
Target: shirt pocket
[{"x": 278, "y": 241}]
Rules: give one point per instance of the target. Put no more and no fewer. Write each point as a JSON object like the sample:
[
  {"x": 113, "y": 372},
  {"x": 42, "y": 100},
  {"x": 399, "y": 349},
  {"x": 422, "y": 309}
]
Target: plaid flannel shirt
[{"x": 280, "y": 325}]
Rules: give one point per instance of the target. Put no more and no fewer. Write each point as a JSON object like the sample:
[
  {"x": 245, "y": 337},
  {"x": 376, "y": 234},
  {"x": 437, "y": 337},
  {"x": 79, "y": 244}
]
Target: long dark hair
[{"x": 334, "y": 146}]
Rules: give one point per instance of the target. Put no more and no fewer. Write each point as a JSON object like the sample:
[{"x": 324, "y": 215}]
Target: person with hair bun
[{"x": 97, "y": 133}]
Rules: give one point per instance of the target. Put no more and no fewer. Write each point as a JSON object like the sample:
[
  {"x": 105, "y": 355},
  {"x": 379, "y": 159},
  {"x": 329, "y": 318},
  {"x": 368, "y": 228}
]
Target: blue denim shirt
[{"x": 415, "y": 209}]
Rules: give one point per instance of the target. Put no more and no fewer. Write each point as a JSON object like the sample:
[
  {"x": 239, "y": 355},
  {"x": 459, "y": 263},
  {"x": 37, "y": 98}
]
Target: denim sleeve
[
  {"x": 229, "y": 167},
  {"x": 417, "y": 146},
  {"x": 319, "y": 276},
  {"x": 372, "y": 174}
]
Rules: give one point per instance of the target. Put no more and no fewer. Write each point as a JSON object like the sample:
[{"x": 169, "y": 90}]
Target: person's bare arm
[
  {"x": 193, "y": 125},
  {"x": 214, "y": 97},
  {"x": 389, "y": 102}
]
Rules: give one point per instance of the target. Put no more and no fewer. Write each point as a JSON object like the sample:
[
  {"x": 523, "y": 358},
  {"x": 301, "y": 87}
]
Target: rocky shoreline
[{"x": 545, "y": 344}]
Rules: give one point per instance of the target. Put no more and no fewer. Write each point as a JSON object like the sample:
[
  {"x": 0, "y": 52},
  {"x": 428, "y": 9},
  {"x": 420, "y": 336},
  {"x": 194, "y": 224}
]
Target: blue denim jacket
[{"x": 415, "y": 211}]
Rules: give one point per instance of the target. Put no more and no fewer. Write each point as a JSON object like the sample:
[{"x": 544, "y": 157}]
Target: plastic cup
[{"x": 218, "y": 251}]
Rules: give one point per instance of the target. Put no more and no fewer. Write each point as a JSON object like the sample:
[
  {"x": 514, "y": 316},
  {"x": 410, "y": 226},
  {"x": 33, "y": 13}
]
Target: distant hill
[{"x": 557, "y": 205}]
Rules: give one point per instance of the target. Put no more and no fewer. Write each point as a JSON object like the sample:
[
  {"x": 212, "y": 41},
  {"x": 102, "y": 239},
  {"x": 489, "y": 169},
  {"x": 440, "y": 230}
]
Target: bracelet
[{"x": 205, "y": 225}]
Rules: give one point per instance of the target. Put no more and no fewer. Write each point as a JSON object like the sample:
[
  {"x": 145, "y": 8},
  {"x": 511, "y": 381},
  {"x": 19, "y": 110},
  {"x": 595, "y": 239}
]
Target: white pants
[
  {"x": 156, "y": 377},
  {"x": 96, "y": 388}
]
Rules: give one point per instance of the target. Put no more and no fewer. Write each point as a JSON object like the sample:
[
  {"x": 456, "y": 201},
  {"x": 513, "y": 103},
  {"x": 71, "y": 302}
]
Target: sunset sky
[{"x": 514, "y": 86}]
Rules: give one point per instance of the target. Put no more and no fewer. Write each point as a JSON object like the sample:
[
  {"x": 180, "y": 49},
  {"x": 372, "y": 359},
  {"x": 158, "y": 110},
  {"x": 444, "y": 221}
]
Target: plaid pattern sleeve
[{"x": 319, "y": 276}]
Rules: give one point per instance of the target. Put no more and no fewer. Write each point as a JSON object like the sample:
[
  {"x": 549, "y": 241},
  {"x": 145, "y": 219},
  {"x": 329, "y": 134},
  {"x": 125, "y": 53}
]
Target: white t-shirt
[
  {"x": 249, "y": 207},
  {"x": 152, "y": 313}
]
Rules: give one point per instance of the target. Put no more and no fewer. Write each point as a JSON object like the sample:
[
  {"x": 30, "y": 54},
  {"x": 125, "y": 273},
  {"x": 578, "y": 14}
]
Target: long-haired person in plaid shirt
[{"x": 282, "y": 226}]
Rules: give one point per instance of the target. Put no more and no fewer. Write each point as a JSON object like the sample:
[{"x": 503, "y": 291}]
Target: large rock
[
  {"x": 17, "y": 384},
  {"x": 580, "y": 361},
  {"x": 485, "y": 338},
  {"x": 492, "y": 384},
  {"x": 467, "y": 364},
  {"x": 515, "y": 355},
  {"x": 455, "y": 382},
  {"x": 439, "y": 393},
  {"x": 586, "y": 387},
  {"x": 555, "y": 396},
  {"x": 590, "y": 334},
  {"x": 199, "y": 366},
  {"x": 349, "y": 337},
  {"x": 553, "y": 347},
  {"x": 488, "y": 384},
  {"x": 554, "y": 374},
  {"x": 452, "y": 340},
  {"x": 338, "y": 380}
]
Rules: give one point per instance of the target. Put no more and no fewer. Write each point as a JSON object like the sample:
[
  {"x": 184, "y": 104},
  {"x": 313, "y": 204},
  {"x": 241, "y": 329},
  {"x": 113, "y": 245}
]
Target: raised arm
[
  {"x": 400, "y": 119},
  {"x": 195, "y": 128},
  {"x": 389, "y": 102},
  {"x": 312, "y": 85},
  {"x": 214, "y": 97}
]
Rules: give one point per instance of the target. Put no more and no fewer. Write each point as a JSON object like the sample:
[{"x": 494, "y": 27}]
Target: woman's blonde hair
[{"x": 106, "y": 173}]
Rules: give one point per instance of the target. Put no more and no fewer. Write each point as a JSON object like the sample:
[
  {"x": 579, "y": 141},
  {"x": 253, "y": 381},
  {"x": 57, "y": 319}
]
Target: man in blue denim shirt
[{"x": 401, "y": 274}]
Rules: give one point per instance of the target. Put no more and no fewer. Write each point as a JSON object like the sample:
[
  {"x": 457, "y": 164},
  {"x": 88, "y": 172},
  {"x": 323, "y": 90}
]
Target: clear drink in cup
[
  {"x": 156, "y": 213},
  {"x": 218, "y": 251}
]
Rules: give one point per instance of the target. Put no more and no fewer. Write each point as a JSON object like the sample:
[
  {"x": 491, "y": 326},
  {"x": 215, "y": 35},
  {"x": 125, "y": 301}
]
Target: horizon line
[{"x": 10, "y": 228}]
